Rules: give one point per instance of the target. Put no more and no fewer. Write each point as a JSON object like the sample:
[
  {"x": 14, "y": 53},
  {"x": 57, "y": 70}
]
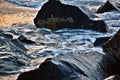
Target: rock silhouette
[
  {"x": 108, "y": 6},
  {"x": 113, "y": 46},
  {"x": 55, "y": 15},
  {"x": 78, "y": 66},
  {"x": 101, "y": 41}
]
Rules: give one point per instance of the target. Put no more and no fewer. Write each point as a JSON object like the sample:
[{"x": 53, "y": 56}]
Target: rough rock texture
[
  {"x": 101, "y": 41},
  {"x": 55, "y": 15},
  {"x": 108, "y": 6},
  {"x": 78, "y": 66},
  {"x": 113, "y": 45}
]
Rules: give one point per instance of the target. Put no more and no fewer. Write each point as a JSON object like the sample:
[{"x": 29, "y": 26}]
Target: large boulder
[
  {"x": 113, "y": 46},
  {"x": 55, "y": 15},
  {"x": 107, "y": 7},
  {"x": 78, "y": 66}
]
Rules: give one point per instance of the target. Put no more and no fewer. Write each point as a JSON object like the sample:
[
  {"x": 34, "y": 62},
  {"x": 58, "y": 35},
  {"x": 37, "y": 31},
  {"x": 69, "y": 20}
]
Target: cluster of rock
[
  {"x": 80, "y": 66},
  {"x": 77, "y": 66}
]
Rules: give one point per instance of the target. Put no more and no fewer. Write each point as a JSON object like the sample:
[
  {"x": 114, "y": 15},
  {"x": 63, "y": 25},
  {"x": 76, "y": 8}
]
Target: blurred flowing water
[{"x": 47, "y": 43}]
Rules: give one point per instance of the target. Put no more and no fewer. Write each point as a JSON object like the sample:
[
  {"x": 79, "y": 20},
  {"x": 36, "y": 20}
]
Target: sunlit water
[{"x": 52, "y": 43}]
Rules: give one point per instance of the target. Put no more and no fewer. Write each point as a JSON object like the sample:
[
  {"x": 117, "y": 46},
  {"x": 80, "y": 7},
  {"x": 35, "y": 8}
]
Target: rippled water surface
[{"x": 47, "y": 43}]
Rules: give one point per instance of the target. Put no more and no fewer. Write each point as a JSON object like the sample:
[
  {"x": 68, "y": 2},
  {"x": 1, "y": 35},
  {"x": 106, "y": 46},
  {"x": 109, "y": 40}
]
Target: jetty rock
[{"x": 77, "y": 66}]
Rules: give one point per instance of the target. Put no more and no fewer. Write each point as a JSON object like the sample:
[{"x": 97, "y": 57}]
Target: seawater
[{"x": 52, "y": 43}]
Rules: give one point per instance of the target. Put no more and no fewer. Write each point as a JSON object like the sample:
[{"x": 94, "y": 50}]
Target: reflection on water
[{"x": 49, "y": 43}]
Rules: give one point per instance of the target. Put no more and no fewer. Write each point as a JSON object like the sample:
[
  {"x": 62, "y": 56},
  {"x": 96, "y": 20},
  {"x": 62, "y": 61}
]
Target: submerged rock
[
  {"x": 55, "y": 15},
  {"x": 108, "y": 6},
  {"x": 24, "y": 39},
  {"x": 113, "y": 45},
  {"x": 101, "y": 41},
  {"x": 12, "y": 54},
  {"x": 78, "y": 66}
]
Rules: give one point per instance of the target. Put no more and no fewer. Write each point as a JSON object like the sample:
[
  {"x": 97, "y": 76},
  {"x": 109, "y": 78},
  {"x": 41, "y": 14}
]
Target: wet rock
[
  {"x": 54, "y": 15},
  {"x": 19, "y": 45},
  {"x": 29, "y": 75},
  {"x": 110, "y": 65},
  {"x": 113, "y": 45},
  {"x": 108, "y": 6},
  {"x": 101, "y": 41},
  {"x": 78, "y": 66},
  {"x": 88, "y": 12},
  {"x": 25, "y": 40},
  {"x": 12, "y": 55},
  {"x": 113, "y": 77}
]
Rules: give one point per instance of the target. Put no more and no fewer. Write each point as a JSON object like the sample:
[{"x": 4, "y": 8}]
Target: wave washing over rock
[{"x": 24, "y": 47}]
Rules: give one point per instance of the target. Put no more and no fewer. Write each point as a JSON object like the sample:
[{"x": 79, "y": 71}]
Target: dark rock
[
  {"x": 101, "y": 41},
  {"x": 108, "y": 6},
  {"x": 114, "y": 77},
  {"x": 110, "y": 65},
  {"x": 31, "y": 75},
  {"x": 78, "y": 66},
  {"x": 113, "y": 45},
  {"x": 25, "y": 40},
  {"x": 55, "y": 15}
]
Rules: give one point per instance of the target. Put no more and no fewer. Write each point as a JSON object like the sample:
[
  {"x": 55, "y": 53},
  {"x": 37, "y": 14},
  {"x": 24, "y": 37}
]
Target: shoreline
[
  {"x": 15, "y": 14},
  {"x": 9, "y": 77}
]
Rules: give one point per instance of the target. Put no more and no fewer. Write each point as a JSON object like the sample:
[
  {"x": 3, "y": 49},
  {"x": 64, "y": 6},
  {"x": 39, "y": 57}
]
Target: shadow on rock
[
  {"x": 113, "y": 46},
  {"x": 78, "y": 66}
]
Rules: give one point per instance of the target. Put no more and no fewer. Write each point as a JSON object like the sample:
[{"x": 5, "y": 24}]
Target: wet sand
[
  {"x": 11, "y": 13},
  {"x": 9, "y": 77}
]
